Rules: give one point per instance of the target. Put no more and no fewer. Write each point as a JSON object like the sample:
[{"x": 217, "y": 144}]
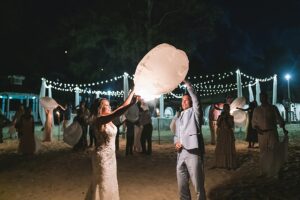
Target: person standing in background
[
  {"x": 117, "y": 122},
  {"x": 225, "y": 149},
  {"x": 146, "y": 122},
  {"x": 15, "y": 121},
  {"x": 26, "y": 128},
  {"x": 214, "y": 112},
  {"x": 48, "y": 125},
  {"x": 82, "y": 117},
  {"x": 3, "y": 122},
  {"x": 265, "y": 119},
  {"x": 251, "y": 133},
  {"x": 132, "y": 116},
  {"x": 94, "y": 113},
  {"x": 138, "y": 128},
  {"x": 213, "y": 117},
  {"x": 66, "y": 115}
]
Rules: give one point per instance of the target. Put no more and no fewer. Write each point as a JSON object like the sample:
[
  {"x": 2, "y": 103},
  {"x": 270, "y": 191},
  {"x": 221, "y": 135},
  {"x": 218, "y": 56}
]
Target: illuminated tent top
[
  {"x": 17, "y": 95},
  {"x": 29, "y": 99},
  {"x": 49, "y": 103}
]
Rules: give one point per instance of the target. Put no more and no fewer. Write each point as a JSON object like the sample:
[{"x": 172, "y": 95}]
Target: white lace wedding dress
[{"x": 104, "y": 184}]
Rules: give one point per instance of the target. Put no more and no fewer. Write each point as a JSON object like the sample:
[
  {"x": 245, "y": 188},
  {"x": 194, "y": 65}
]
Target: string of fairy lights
[
  {"x": 207, "y": 88},
  {"x": 205, "y": 85},
  {"x": 73, "y": 87}
]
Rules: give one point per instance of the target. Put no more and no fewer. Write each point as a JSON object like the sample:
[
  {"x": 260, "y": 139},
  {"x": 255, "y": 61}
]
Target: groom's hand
[
  {"x": 187, "y": 84},
  {"x": 178, "y": 146}
]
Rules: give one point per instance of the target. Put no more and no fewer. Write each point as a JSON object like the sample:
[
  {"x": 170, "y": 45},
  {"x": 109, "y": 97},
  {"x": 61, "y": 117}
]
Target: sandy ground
[{"x": 57, "y": 172}]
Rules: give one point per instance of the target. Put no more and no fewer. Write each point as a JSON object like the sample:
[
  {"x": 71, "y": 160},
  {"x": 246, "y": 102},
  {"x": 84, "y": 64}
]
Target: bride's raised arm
[{"x": 131, "y": 99}]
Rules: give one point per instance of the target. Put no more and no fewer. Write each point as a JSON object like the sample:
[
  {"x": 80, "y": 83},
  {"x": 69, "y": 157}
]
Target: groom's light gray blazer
[{"x": 188, "y": 125}]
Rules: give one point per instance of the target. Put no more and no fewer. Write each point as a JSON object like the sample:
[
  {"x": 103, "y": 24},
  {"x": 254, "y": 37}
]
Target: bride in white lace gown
[{"x": 104, "y": 185}]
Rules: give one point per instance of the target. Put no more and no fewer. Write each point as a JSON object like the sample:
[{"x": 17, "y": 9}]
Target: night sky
[{"x": 52, "y": 38}]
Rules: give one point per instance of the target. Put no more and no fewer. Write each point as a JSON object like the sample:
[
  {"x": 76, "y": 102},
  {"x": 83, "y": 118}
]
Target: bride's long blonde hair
[{"x": 103, "y": 136}]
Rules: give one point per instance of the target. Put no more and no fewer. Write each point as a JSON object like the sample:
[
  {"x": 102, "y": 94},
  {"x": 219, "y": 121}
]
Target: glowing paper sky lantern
[
  {"x": 238, "y": 102},
  {"x": 48, "y": 103},
  {"x": 72, "y": 134},
  {"x": 239, "y": 116},
  {"x": 160, "y": 71}
]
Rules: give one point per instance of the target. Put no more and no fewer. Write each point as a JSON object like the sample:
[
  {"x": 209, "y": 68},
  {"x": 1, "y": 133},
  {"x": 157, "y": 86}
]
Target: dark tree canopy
[
  {"x": 73, "y": 40},
  {"x": 117, "y": 37}
]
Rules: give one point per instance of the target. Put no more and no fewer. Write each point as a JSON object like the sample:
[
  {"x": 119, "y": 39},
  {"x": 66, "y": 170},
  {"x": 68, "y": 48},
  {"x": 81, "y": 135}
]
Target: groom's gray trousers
[{"x": 190, "y": 167}]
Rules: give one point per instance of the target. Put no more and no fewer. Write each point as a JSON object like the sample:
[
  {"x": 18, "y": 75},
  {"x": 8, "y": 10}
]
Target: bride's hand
[
  {"x": 134, "y": 99},
  {"x": 129, "y": 98},
  {"x": 132, "y": 90}
]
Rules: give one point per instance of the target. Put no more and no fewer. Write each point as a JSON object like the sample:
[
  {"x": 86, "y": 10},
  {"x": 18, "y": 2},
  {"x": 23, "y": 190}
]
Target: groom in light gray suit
[{"x": 189, "y": 144}]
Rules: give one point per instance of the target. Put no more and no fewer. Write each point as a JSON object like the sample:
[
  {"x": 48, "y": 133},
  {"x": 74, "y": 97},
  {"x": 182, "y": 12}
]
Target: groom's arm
[{"x": 196, "y": 103}]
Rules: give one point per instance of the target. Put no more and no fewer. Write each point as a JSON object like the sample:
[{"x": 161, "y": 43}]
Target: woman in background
[
  {"x": 13, "y": 129},
  {"x": 48, "y": 125},
  {"x": 225, "y": 147},
  {"x": 26, "y": 130},
  {"x": 251, "y": 137}
]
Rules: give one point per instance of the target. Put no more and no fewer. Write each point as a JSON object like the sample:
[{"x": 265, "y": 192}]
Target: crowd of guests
[
  {"x": 261, "y": 129},
  {"x": 137, "y": 129},
  {"x": 20, "y": 127},
  {"x": 138, "y": 123}
]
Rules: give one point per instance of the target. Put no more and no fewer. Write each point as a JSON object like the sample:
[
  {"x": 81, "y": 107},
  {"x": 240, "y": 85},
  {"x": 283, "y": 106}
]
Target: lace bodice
[
  {"x": 105, "y": 184},
  {"x": 111, "y": 131}
]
